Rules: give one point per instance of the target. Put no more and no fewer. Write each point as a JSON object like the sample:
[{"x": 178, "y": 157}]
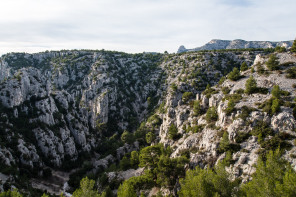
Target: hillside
[
  {"x": 217, "y": 44},
  {"x": 152, "y": 117}
]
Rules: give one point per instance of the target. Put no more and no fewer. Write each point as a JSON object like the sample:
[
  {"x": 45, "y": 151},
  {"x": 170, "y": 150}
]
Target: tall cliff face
[
  {"x": 62, "y": 103},
  {"x": 217, "y": 44}
]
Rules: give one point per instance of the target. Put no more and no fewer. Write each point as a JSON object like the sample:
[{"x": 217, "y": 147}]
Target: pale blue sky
[{"x": 140, "y": 25}]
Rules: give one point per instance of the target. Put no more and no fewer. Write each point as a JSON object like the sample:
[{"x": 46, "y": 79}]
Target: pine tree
[
  {"x": 234, "y": 75},
  {"x": 272, "y": 63},
  {"x": 134, "y": 158},
  {"x": 276, "y": 91},
  {"x": 275, "y": 107},
  {"x": 211, "y": 115},
  {"x": 150, "y": 137},
  {"x": 126, "y": 190},
  {"x": 272, "y": 178},
  {"x": 244, "y": 66},
  {"x": 173, "y": 132},
  {"x": 196, "y": 108},
  {"x": 230, "y": 107},
  {"x": 251, "y": 85},
  {"x": 86, "y": 189},
  {"x": 224, "y": 143}
]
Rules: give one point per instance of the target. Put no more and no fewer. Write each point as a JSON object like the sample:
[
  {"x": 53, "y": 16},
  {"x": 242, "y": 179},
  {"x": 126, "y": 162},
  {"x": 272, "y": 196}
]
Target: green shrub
[
  {"x": 225, "y": 90},
  {"x": 244, "y": 66},
  {"x": 276, "y": 91},
  {"x": 239, "y": 91},
  {"x": 211, "y": 115},
  {"x": 124, "y": 163},
  {"x": 261, "y": 70},
  {"x": 252, "y": 70},
  {"x": 173, "y": 132},
  {"x": 275, "y": 107},
  {"x": 272, "y": 63},
  {"x": 209, "y": 91},
  {"x": 174, "y": 87},
  {"x": 150, "y": 137},
  {"x": 221, "y": 81},
  {"x": 261, "y": 129},
  {"x": 234, "y": 97},
  {"x": 127, "y": 137},
  {"x": 291, "y": 73},
  {"x": 271, "y": 106},
  {"x": 230, "y": 107},
  {"x": 245, "y": 112},
  {"x": 197, "y": 108},
  {"x": 241, "y": 137},
  {"x": 186, "y": 96},
  {"x": 234, "y": 75},
  {"x": 134, "y": 160}
]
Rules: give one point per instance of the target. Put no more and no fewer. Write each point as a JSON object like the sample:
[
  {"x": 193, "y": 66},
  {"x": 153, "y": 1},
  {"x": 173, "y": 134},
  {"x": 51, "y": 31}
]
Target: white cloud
[{"x": 137, "y": 26}]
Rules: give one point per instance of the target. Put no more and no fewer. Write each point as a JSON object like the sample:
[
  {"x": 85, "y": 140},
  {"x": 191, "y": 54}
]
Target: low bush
[
  {"x": 225, "y": 90},
  {"x": 186, "y": 96},
  {"x": 241, "y": 137}
]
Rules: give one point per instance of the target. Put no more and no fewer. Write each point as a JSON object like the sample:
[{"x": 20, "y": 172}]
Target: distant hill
[{"x": 236, "y": 44}]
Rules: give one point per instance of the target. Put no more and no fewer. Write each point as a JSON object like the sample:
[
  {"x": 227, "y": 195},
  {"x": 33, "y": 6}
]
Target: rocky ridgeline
[{"x": 217, "y": 44}]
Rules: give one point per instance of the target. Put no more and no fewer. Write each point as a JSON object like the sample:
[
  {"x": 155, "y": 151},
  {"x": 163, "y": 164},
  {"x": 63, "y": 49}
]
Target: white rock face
[{"x": 284, "y": 121}]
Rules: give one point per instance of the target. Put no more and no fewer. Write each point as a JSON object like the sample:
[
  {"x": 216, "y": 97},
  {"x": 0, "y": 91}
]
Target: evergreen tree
[
  {"x": 230, "y": 107},
  {"x": 275, "y": 177},
  {"x": 251, "y": 85},
  {"x": 173, "y": 132},
  {"x": 124, "y": 163},
  {"x": 10, "y": 193},
  {"x": 196, "y": 108},
  {"x": 211, "y": 115},
  {"x": 234, "y": 75},
  {"x": 86, "y": 189},
  {"x": 149, "y": 156},
  {"x": 276, "y": 91},
  {"x": 275, "y": 107},
  {"x": 207, "y": 183},
  {"x": 272, "y": 63},
  {"x": 126, "y": 190},
  {"x": 244, "y": 66},
  {"x": 127, "y": 137},
  {"x": 134, "y": 159},
  {"x": 224, "y": 143},
  {"x": 150, "y": 137}
]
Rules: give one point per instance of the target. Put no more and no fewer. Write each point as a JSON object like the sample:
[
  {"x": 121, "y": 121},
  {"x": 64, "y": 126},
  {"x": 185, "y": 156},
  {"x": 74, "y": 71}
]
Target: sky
[{"x": 135, "y": 26}]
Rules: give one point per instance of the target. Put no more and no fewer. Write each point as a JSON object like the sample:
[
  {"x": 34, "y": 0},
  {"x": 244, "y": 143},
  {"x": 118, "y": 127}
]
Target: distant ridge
[{"x": 216, "y": 44}]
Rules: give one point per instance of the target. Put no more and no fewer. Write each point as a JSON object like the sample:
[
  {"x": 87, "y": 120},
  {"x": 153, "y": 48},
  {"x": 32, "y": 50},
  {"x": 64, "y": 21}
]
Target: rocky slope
[
  {"x": 202, "y": 137},
  {"x": 217, "y": 44},
  {"x": 68, "y": 109}
]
